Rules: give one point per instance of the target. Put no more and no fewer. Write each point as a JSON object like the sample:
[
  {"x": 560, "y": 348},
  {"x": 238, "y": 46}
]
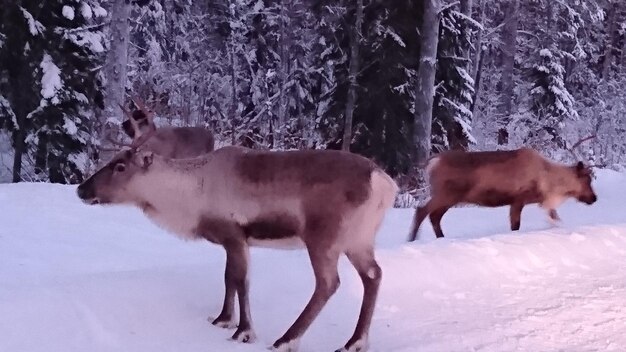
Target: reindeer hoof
[
  {"x": 553, "y": 223},
  {"x": 285, "y": 346},
  {"x": 244, "y": 335},
  {"x": 224, "y": 322},
  {"x": 360, "y": 345}
]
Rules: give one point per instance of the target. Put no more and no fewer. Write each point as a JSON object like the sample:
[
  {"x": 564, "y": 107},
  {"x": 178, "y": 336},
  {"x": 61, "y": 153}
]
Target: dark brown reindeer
[
  {"x": 328, "y": 202},
  {"x": 171, "y": 142},
  {"x": 499, "y": 178}
]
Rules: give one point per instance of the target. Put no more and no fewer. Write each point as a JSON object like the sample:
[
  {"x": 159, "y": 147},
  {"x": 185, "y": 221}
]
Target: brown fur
[
  {"x": 171, "y": 142},
  {"x": 310, "y": 168},
  {"x": 180, "y": 142},
  {"x": 500, "y": 178},
  {"x": 329, "y": 202},
  {"x": 273, "y": 226}
]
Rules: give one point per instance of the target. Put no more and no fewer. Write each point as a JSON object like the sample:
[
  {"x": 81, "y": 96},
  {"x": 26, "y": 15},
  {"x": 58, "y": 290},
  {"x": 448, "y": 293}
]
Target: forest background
[{"x": 394, "y": 80}]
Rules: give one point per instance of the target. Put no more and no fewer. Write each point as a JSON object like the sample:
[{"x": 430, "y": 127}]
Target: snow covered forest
[{"x": 395, "y": 80}]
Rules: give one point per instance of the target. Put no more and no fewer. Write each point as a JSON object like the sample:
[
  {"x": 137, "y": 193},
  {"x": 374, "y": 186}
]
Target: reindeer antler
[
  {"x": 572, "y": 148},
  {"x": 143, "y": 137},
  {"x": 135, "y": 144},
  {"x": 583, "y": 140},
  {"x": 125, "y": 111},
  {"x": 142, "y": 106}
]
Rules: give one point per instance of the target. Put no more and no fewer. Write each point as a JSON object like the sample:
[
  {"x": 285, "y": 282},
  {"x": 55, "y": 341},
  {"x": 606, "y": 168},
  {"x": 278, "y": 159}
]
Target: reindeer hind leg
[
  {"x": 418, "y": 217},
  {"x": 435, "y": 219},
  {"x": 515, "y": 216},
  {"x": 371, "y": 275},
  {"x": 324, "y": 262}
]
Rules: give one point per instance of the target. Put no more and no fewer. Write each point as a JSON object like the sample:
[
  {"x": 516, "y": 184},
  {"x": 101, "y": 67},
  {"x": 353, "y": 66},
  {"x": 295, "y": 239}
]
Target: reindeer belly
[
  {"x": 275, "y": 230},
  {"x": 493, "y": 198}
]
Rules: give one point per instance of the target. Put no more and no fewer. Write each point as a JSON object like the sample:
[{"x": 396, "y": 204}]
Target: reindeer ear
[
  {"x": 582, "y": 170},
  {"x": 139, "y": 115},
  {"x": 145, "y": 158},
  {"x": 128, "y": 129}
]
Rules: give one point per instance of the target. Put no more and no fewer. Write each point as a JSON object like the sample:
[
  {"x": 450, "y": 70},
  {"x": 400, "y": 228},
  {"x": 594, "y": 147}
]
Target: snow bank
[{"x": 79, "y": 278}]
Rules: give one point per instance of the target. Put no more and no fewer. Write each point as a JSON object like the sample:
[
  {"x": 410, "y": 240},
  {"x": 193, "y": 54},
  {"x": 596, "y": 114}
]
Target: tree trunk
[
  {"x": 20, "y": 105},
  {"x": 55, "y": 169},
  {"x": 354, "y": 70},
  {"x": 20, "y": 147},
  {"x": 116, "y": 62},
  {"x": 466, "y": 9},
  {"x": 477, "y": 83},
  {"x": 610, "y": 40},
  {"x": 509, "y": 37},
  {"x": 233, "y": 92},
  {"x": 19, "y": 78},
  {"x": 622, "y": 58},
  {"x": 477, "y": 61},
  {"x": 425, "y": 85},
  {"x": 620, "y": 18},
  {"x": 41, "y": 156}
]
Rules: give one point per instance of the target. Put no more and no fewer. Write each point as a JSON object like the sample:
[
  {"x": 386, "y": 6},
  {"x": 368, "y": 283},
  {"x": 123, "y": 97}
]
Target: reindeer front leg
[
  {"x": 232, "y": 238},
  {"x": 550, "y": 205},
  {"x": 553, "y": 217},
  {"x": 225, "y": 319},
  {"x": 236, "y": 277}
]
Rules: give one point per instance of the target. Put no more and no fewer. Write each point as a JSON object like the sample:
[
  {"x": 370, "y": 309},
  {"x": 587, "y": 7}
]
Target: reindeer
[
  {"x": 498, "y": 178},
  {"x": 327, "y": 202},
  {"x": 171, "y": 142}
]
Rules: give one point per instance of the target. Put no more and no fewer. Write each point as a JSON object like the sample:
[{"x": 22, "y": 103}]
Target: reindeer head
[
  {"x": 583, "y": 176},
  {"x": 139, "y": 124},
  {"x": 109, "y": 184},
  {"x": 140, "y": 121},
  {"x": 583, "y": 192}
]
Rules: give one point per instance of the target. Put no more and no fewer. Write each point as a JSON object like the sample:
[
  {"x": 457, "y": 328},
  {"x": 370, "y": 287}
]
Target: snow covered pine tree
[{"x": 48, "y": 99}]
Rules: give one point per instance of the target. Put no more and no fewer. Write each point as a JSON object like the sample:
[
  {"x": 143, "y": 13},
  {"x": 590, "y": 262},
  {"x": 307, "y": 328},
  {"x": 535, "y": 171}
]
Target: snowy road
[{"x": 78, "y": 278}]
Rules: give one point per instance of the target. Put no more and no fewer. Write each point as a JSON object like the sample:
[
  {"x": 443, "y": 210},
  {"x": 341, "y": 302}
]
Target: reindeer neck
[
  {"x": 562, "y": 182},
  {"x": 161, "y": 184}
]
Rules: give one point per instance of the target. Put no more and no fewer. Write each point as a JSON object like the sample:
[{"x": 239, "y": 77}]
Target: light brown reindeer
[
  {"x": 171, "y": 142},
  {"x": 499, "y": 178},
  {"x": 328, "y": 202}
]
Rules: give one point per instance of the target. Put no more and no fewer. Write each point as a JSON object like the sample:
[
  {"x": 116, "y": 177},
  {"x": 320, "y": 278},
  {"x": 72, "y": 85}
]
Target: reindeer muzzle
[
  {"x": 589, "y": 199},
  {"x": 86, "y": 193}
]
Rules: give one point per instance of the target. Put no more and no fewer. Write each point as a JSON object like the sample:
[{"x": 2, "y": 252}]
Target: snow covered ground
[{"x": 79, "y": 278}]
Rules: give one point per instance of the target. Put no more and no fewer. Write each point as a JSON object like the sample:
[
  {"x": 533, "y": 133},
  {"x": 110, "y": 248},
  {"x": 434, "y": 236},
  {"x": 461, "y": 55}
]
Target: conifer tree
[{"x": 50, "y": 85}]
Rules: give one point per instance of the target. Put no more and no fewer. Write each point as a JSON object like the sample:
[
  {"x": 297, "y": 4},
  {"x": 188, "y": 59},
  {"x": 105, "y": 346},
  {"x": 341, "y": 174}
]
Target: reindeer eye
[{"x": 120, "y": 167}]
